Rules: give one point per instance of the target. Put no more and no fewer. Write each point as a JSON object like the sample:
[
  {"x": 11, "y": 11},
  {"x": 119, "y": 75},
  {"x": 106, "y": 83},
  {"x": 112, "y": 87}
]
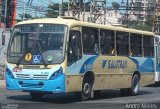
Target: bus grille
[
  {"x": 27, "y": 76},
  {"x": 31, "y": 85}
]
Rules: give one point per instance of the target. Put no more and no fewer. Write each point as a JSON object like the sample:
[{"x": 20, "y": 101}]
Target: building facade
[
  {"x": 7, "y": 13},
  {"x": 140, "y": 9}
]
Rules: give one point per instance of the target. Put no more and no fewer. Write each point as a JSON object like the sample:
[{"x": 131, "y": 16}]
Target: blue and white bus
[{"x": 62, "y": 55}]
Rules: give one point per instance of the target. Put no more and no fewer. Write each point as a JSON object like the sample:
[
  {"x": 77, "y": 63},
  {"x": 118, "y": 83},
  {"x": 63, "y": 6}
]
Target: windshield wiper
[
  {"x": 40, "y": 50},
  {"x": 39, "y": 47}
]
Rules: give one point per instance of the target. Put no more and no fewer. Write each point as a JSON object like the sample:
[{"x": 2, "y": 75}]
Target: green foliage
[
  {"x": 27, "y": 16},
  {"x": 146, "y": 26},
  {"x": 53, "y": 10}
]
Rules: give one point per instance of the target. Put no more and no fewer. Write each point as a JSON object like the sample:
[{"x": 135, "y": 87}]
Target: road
[{"x": 148, "y": 98}]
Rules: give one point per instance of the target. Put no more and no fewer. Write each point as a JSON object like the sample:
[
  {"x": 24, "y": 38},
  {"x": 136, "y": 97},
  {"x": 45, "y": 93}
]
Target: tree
[
  {"x": 27, "y": 16},
  {"x": 53, "y": 10}
]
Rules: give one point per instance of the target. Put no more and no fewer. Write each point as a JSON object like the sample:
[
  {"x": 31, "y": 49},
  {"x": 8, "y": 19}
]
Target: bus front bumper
[{"x": 56, "y": 85}]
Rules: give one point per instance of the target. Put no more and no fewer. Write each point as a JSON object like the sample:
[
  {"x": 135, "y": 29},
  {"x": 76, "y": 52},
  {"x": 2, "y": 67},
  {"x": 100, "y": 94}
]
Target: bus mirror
[
  {"x": 3, "y": 39},
  {"x": 156, "y": 40}
]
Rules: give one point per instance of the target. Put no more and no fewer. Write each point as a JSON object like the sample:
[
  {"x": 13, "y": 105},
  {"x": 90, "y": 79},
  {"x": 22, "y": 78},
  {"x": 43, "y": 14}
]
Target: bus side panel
[
  {"x": 112, "y": 81},
  {"x": 110, "y": 72},
  {"x": 74, "y": 83},
  {"x": 146, "y": 67},
  {"x": 147, "y": 79},
  {"x": 113, "y": 72},
  {"x": 75, "y": 72}
]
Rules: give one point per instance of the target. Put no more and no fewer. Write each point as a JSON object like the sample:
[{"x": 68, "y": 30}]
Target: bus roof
[{"x": 74, "y": 22}]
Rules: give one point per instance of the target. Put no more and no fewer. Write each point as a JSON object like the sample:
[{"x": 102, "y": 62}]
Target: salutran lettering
[{"x": 114, "y": 64}]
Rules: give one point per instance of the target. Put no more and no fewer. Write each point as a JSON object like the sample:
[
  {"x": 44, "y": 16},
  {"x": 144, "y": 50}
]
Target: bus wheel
[
  {"x": 86, "y": 89},
  {"x": 135, "y": 85},
  {"x": 37, "y": 95}
]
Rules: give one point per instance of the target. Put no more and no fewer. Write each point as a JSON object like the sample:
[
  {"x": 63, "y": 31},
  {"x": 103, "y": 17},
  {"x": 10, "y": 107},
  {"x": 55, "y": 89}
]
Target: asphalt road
[{"x": 148, "y": 98}]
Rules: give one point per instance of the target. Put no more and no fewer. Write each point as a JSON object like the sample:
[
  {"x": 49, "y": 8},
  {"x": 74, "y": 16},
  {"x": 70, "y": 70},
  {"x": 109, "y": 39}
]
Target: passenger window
[
  {"x": 107, "y": 42},
  {"x": 136, "y": 45},
  {"x": 90, "y": 40},
  {"x": 122, "y": 43},
  {"x": 74, "y": 47},
  {"x": 148, "y": 46}
]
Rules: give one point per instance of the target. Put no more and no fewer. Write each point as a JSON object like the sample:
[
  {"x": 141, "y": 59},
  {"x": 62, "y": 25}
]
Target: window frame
[
  {"x": 95, "y": 41},
  {"x": 134, "y": 44},
  {"x": 122, "y": 43},
  {"x": 110, "y": 43},
  {"x": 147, "y": 45}
]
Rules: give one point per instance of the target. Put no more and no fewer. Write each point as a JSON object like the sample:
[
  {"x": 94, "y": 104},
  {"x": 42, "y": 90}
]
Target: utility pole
[
  {"x": 75, "y": 7},
  {"x": 24, "y": 9},
  {"x": 61, "y": 8},
  {"x": 98, "y": 10},
  {"x": 127, "y": 14}
]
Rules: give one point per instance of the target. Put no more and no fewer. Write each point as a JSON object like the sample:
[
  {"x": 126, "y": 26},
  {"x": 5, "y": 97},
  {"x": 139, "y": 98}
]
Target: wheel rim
[
  {"x": 136, "y": 86},
  {"x": 86, "y": 89}
]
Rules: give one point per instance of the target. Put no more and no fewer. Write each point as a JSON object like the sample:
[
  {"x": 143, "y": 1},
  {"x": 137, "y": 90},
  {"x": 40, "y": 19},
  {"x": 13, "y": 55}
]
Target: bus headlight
[
  {"x": 56, "y": 74},
  {"x": 10, "y": 74}
]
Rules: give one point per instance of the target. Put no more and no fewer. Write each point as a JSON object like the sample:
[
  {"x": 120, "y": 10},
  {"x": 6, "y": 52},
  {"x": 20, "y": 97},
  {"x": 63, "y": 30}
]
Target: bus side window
[
  {"x": 136, "y": 44},
  {"x": 107, "y": 42},
  {"x": 148, "y": 46},
  {"x": 74, "y": 47},
  {"x": 90, "y": 40},
  {"x": 122, "y": 43}
]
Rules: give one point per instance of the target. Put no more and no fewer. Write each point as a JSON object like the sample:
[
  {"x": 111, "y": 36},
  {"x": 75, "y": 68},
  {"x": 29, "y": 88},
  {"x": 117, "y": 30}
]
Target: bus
[
  {"x": 157, "y": 55},
  {"x": 65, "y": 55}
]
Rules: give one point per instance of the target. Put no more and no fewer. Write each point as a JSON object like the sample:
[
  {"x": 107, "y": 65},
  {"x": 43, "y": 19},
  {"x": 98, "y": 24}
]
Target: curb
[{"x": 2, "y": 83}]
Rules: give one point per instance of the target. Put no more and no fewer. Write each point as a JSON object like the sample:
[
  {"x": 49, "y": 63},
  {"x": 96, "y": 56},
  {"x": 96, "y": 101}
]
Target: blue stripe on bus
[
  {"x": 146, "y": 66},
  {"x": 88, "y": 64},
  {"x": 135, "y": 61}
]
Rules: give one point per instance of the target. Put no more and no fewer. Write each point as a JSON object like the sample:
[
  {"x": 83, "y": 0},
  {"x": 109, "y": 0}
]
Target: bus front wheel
[
  {"x": 36, "y": 95},
  {"x": 86, "y": 89}
]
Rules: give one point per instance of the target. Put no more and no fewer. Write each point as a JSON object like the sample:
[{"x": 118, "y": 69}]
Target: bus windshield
[{"x": 37, "y": 44}]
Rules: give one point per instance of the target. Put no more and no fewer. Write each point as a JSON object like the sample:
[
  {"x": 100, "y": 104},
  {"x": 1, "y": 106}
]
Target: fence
[{"x": 2, "y": 71}]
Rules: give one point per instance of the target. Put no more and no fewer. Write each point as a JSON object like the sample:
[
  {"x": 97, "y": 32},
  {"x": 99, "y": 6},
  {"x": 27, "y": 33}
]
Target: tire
[
  {"x": 135, "y": 85},
  {"x": 86, "y": 89},
  {"x": 36, "y": 96},
  {"x": 134, "y": 90}
]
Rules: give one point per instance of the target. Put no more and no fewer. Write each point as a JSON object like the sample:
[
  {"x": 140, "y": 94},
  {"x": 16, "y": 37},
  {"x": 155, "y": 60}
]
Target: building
[
  {"x": 7, "y": 13},
  {"x": 111, "y": 17},
  {"x": 140, "y": 9}
]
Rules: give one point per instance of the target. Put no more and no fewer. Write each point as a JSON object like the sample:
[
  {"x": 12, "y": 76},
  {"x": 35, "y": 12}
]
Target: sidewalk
[{"x": 2, "y": 83}]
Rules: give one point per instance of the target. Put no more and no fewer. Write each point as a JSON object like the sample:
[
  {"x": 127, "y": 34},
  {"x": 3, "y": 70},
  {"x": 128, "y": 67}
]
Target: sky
[{"x": 42, "y": 6}]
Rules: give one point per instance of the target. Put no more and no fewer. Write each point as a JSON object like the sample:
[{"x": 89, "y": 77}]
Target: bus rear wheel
[
  {"x": 134, "y": 90},
  {"x": 135, "y": 85},
  {"x": 36, "y": 95}
]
